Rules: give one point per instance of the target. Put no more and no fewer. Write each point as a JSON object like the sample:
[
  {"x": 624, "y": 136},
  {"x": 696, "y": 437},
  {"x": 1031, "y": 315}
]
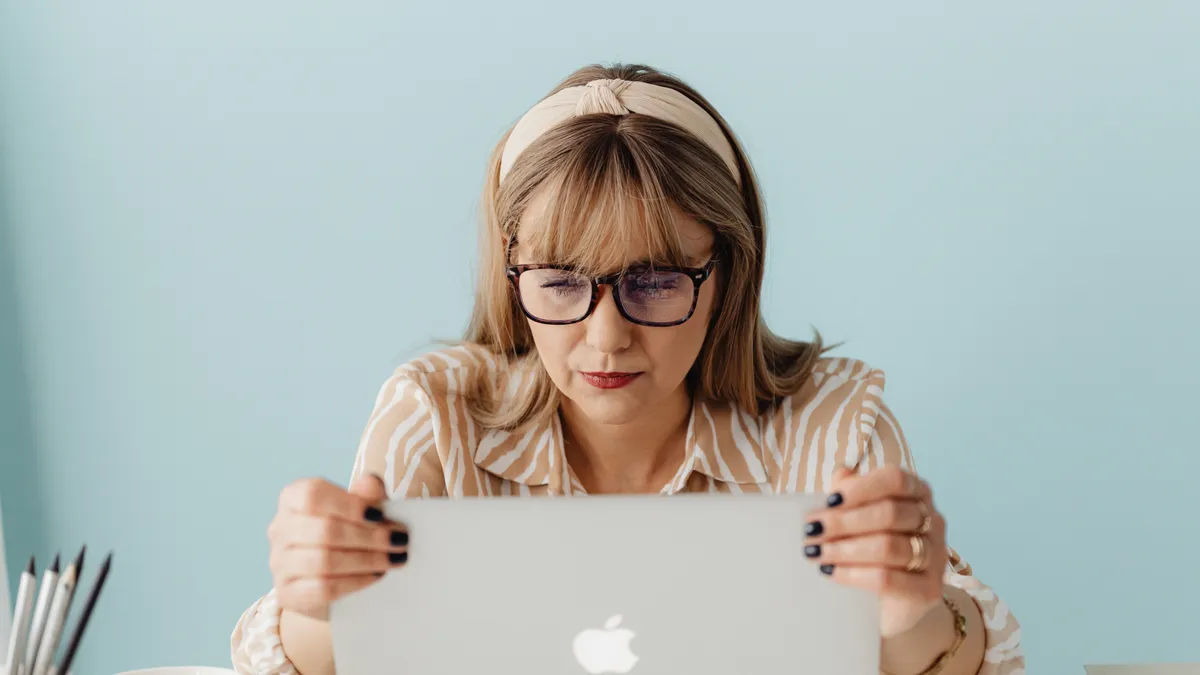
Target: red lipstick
[{"x": 610, "y": 380}]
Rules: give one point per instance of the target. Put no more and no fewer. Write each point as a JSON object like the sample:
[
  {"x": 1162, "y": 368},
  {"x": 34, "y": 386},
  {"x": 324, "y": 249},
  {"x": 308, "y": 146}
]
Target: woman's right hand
[{"x": 327, "y": 541}]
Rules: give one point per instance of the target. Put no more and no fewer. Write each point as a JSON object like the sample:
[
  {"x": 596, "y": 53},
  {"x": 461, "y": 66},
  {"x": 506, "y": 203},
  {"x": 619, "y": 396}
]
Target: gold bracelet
[{"x": 960, "y": 630}]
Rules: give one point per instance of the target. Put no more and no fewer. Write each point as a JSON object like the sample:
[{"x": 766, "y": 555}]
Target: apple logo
[{"x": 605, "y": 650}]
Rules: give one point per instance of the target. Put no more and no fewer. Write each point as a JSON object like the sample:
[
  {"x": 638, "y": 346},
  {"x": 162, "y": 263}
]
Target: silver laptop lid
[{"x": 648, "y": 585}]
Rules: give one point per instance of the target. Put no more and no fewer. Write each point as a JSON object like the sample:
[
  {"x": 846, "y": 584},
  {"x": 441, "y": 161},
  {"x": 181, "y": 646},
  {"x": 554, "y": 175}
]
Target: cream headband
[{"x": 617, "y": 97}]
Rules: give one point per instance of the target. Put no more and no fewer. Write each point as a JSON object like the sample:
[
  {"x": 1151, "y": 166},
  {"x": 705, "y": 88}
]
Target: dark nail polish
[
  {"x": 397, "y": 558},
  {"x": 373, "y": 514},
  {"x": 826, "y": 569},
  {"x": 835, "y": 499},
  {"x": 399, "y": 538},
  {"x": 813, "y": 550},
  {"x": 814, "y": 529}
]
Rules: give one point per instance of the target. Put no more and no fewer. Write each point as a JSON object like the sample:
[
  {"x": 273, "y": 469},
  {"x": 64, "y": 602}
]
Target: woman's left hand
[{"x": 882, "y": 533}]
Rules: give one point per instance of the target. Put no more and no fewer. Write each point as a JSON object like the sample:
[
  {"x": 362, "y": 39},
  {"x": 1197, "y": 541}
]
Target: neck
[{"x": 638, "y": 456}]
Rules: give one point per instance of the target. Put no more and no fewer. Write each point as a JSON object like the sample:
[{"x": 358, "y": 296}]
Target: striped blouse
[{"x": 421, "y": 440}]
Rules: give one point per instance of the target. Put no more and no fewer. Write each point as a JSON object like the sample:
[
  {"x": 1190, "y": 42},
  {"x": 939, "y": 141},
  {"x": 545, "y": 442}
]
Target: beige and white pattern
[{"x": 423, "y": 443}]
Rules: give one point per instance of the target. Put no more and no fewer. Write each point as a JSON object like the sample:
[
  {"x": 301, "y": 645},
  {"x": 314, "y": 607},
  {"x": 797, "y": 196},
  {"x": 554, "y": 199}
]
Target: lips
[{"x": 610, "y": 380}]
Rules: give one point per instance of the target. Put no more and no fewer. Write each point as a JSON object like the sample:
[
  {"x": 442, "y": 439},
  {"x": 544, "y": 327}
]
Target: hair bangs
[{"x": 602, "y": 208}]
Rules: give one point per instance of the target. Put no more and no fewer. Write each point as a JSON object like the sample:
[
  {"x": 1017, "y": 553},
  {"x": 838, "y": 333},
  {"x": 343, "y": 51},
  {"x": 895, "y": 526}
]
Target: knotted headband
[{"x": 617, "y": 97}]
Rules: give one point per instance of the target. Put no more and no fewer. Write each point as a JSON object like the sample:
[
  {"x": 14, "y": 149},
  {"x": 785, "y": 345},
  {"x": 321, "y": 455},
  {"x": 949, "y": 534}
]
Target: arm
[
  {"x": 991, "y": 647},
  {"x": 914, "y": 650},
  {"x": 307, "y": 643},
  {"x": 878, "y": 514},
  {"x": 399, "y": 446},
  {"x": 255, "y": 641}
]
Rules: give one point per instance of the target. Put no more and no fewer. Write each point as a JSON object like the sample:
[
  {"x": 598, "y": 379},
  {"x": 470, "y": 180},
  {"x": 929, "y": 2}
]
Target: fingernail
[
  {"x": 813, "y": 529},
  {"x": 813, "y": 550},
  {"x": 835, "y": 499},
  {"x": 373, "y": 514},
  {"x": 826, "y": 569},
  {"x": 399, "y": 538},
  {"x": 397, "y": 558}
]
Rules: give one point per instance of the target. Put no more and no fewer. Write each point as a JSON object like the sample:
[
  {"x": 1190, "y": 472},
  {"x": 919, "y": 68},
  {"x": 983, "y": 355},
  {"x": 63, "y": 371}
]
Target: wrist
[{"x": 914, "y": 651}]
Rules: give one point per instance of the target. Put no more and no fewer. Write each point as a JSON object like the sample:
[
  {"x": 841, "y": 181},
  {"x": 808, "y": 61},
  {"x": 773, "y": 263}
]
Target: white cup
[{"x": 181, "y": 670}]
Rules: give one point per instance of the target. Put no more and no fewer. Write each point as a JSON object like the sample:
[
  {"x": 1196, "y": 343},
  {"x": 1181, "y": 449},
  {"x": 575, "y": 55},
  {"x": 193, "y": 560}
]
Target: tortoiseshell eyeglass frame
[{"x": 698, "y": 275}]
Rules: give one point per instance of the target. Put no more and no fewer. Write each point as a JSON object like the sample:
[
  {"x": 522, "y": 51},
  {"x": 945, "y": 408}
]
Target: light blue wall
[{"x": 225, "y": 222}]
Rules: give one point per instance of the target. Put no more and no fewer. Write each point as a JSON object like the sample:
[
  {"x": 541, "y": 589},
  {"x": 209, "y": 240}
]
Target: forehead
[{"x": 611, "y": 238}]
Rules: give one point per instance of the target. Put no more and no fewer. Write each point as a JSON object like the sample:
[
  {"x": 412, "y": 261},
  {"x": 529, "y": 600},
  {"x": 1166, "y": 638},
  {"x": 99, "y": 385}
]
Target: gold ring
[
  {"x": 917, "y": 562},
  {"x": 926, "y": 519}
]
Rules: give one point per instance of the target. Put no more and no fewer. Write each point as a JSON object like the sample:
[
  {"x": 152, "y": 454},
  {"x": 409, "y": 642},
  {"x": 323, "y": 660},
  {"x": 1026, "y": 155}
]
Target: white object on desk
[
  {"x": 1144, "y": 669},
  {"x": 181, "y": 670}
]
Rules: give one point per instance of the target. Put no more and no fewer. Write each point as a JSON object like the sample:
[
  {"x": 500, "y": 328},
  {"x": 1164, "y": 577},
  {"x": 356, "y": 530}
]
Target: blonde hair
[{"x": 609, "y": 179}]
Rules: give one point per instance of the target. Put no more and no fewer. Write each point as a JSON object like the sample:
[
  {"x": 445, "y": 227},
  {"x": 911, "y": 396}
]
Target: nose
[{"x": 607, "y": 331}]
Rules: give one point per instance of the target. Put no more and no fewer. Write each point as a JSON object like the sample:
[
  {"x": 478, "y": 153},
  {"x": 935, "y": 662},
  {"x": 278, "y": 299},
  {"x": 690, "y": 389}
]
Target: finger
[
  {"x": 370, "y": 487},
  {"x": 842, "y": 474},
  {"x": 318, "y": 497},
  {"x": 887, "y": 581},
  {"x": 302, "y": 530},
  {"x": 888, "y": 482},
  {"x": 886, "y": 550},
  {"x": 299, "y": 562},
  {"x": 889, "y": 515},
  {"x": 311, "y": 596}
]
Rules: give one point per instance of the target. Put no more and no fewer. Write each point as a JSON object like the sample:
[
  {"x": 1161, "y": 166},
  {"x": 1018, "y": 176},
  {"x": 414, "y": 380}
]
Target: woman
[{"x": 616, "y": 345}]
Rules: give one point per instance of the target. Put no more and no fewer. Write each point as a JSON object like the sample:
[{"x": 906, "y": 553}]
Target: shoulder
[
  {"x": 449, "y": 379},
  {"x": 453, "y": 370},
  {"x": 425, "y": 407},
  {"x": 830, "y": 420},
  {"x": 836, "y": 385},
  {"x": 464, "y": 359},
  {"x": 837, "y": 409}
]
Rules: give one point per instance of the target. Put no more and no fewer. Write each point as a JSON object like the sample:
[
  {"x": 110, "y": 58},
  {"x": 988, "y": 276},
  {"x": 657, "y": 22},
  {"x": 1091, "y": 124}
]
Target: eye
[
  {"x": 656, "y": 281},
  {"x": 562, "y": 281},
  {"x": 563, "y": 284},
  {"x": 646, "y": 286}
]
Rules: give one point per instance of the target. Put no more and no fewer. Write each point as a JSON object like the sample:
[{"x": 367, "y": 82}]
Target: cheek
[
  {"x": 674, "y": 349},
  {"x": 554, "y": 343}
]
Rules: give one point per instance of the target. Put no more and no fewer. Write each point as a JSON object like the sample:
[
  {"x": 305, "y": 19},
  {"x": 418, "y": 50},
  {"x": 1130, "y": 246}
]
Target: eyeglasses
[{"x": 648, "y": 295}]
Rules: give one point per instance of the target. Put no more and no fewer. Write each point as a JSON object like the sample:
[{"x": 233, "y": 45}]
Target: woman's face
[{"x": 657, "y": 358}]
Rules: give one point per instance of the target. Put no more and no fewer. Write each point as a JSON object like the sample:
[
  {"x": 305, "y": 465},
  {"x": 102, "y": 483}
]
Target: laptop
[{"x": 703, "y": 584}]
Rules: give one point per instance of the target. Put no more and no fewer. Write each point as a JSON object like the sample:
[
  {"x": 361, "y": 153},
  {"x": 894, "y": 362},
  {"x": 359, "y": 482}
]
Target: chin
[{"x": 610, "y": 409}]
